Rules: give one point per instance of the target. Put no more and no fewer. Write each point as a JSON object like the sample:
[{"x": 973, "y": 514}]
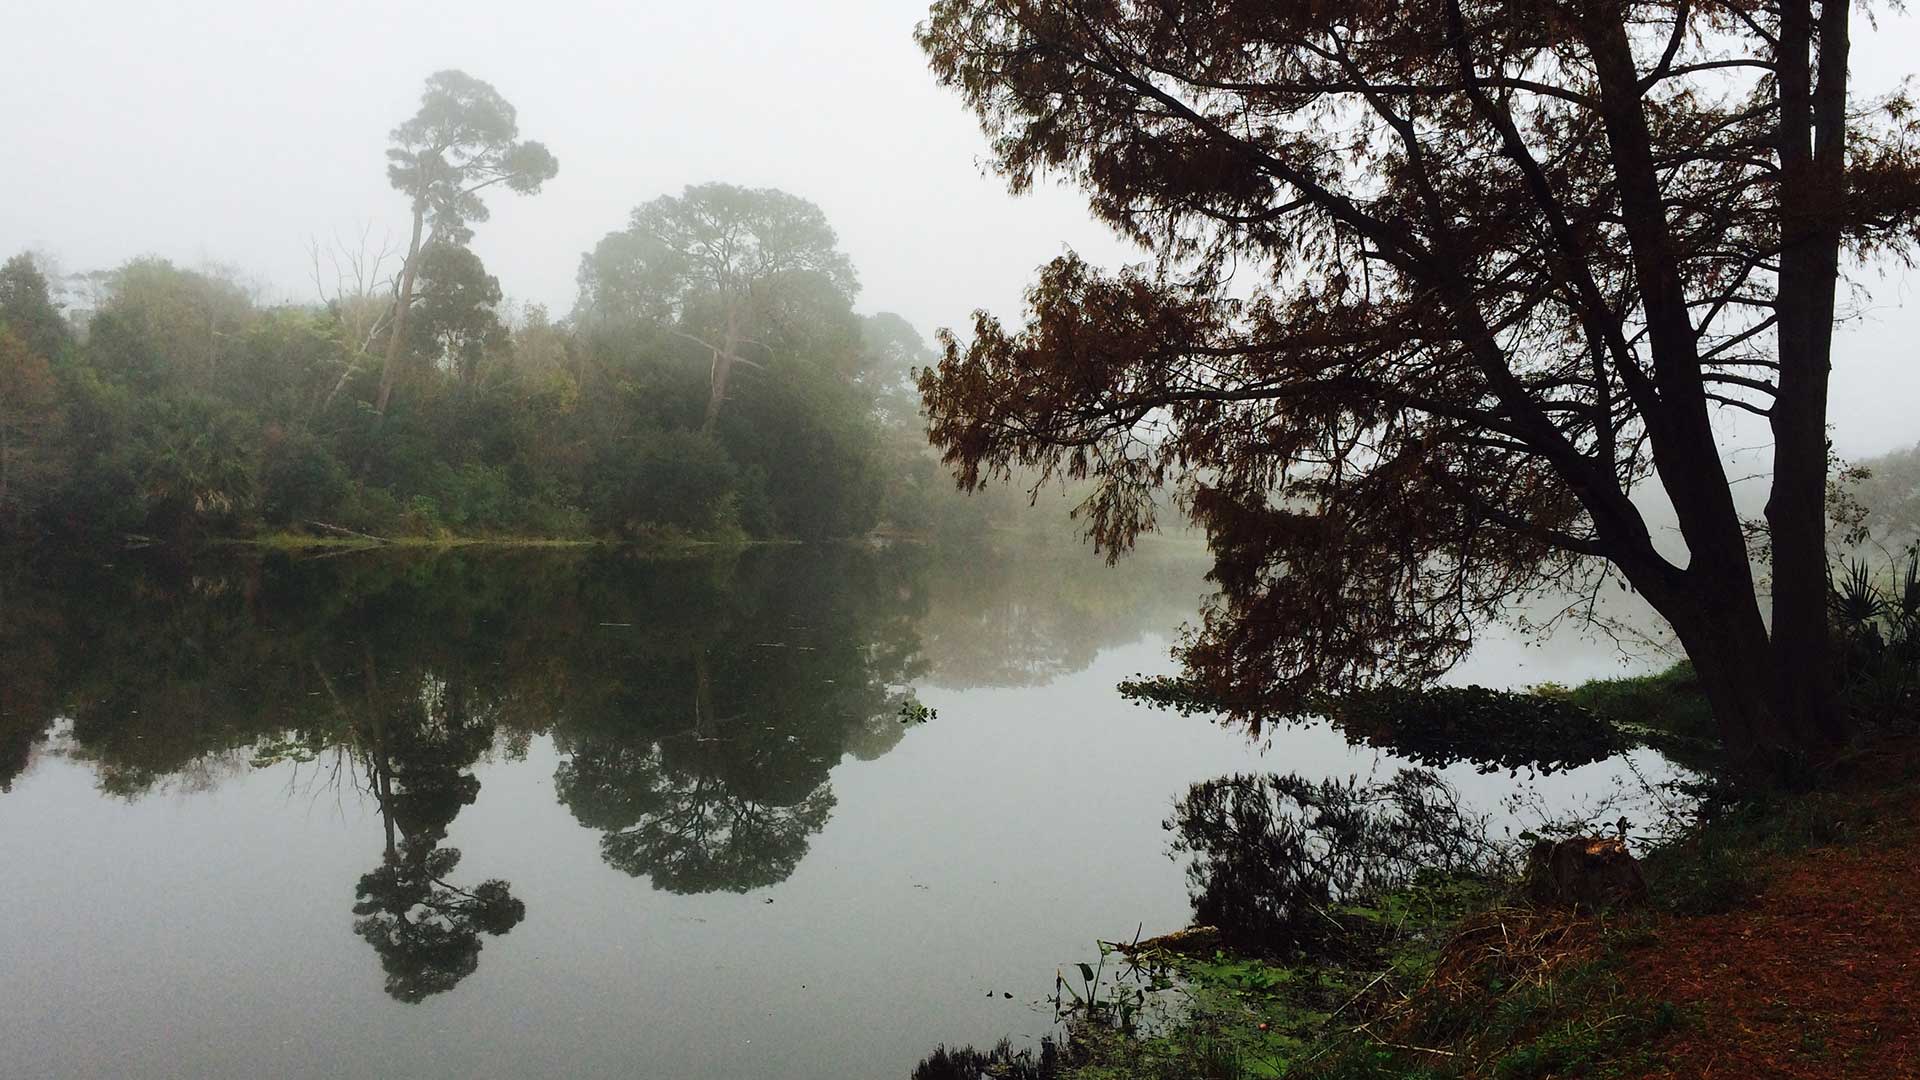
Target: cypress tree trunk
[
  {"x": 1728, "y": 647},
  {"x": 1812, "y": 90},
  {"x": 1715, "y": 612}
]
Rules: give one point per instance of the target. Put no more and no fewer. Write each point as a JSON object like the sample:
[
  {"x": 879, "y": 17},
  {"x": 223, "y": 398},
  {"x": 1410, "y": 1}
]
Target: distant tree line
[
  {"x": 182, "y": 409},
  {"x": 713, "y": 380},
  {"x": 1886, "y": 492}
]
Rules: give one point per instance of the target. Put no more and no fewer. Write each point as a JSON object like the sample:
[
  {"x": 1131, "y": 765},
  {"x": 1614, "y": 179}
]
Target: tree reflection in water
[
  {"x": 711, "y": 771},
  {"x": 698, "y": 707},
  {"x": 686, "y": 828},
  {"x": 415, "y": 757}
]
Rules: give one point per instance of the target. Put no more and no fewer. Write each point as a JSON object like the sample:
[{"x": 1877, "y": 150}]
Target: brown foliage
[{"x": 1436, "y": 285}]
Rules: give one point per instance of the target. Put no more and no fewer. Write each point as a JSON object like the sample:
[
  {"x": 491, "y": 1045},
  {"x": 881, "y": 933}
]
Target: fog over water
[{"x": 237, "y": 132}]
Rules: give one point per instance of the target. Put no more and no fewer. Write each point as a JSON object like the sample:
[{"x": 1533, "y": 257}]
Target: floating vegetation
[
  {"x": 1435, "y": 726},
  {"x": 1494, "y": 729}
]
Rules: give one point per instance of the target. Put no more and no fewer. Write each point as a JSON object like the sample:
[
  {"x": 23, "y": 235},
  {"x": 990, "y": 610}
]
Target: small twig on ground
[{"x": 1361, "y": 994}]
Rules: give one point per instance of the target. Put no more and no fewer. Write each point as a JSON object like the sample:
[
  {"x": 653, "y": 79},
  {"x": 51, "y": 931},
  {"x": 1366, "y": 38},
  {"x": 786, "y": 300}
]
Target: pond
[{"x": 795, "y": 812}]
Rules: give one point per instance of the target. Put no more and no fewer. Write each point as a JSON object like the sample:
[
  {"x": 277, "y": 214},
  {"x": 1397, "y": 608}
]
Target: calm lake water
[{"x": 515, "y": 814}]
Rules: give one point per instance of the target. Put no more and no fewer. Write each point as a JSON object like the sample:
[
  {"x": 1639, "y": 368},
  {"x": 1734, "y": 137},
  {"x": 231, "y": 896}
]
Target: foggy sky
[{"x": 238, "y": 132}]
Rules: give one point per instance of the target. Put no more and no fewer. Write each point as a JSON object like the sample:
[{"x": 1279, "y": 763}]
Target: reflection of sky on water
[{"x": 204, "y": 929}]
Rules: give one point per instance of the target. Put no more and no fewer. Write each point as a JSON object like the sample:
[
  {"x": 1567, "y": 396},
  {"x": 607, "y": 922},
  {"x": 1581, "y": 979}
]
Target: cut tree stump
[{"x": 1588, "y": 873}]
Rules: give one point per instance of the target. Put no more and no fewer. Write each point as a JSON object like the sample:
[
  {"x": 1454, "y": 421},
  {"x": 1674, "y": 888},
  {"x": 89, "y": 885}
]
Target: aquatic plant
[
  {"x": 1000, "y": 1063},
  {"x": 1273, "y": 856}
]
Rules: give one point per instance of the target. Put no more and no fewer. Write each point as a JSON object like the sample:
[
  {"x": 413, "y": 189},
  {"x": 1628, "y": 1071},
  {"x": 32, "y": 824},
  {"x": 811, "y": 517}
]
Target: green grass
[
  {"x": 1669, "y": 702},
  {"x": 1666, "y": 710}
]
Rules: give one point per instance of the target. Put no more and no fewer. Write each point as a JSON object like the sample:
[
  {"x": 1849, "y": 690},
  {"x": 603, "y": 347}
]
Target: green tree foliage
[
  {"x": 737, "y": 271},
  {"x": 713, "y": 381},
  {"x": 189, "y": 411},
  {"x": 1887, "y": 489},
  {"x": 455, "y": 325},
  {"x": 165, "y": 327},
  {"x": 464, "y": 139},
  {"x": 30, "y": 437},
  {"x": 746, "y": 297},
  {"x": 192, "y": 466},
  {"x": 669, "y": 479},
  {"x": 27, "y": 308}
]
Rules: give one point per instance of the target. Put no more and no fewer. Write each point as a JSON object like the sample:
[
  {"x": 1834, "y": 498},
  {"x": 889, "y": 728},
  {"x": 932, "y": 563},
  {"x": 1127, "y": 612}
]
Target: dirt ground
[{"x": 1819, "y": 978}]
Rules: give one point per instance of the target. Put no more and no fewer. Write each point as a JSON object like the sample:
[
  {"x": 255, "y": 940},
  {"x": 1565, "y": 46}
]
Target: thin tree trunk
[
  {"x": 396, "y": 338},
  {"x": 717, "y": 392},
  {"x": 723, "y": 358},
  {"x": 705, "y": 726}
]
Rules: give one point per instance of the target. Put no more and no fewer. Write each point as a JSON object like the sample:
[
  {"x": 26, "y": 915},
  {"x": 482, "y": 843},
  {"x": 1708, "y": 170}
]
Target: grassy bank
[
  {"x": 1666, "y": 710},
  {"x": 1775, "y": 941},
  {"x": 297, "y": 542},
  {"x": 663, "y": 544}
]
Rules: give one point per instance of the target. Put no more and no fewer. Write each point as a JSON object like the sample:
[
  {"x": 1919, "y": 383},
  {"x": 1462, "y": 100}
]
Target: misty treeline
[
  {"x": 713, "y": 380},
  {"x": 1880, "y": 498}
]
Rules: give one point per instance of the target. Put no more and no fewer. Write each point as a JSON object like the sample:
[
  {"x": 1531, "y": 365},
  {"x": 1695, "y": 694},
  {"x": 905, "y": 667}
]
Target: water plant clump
[{"x": 1274, "y": 858}]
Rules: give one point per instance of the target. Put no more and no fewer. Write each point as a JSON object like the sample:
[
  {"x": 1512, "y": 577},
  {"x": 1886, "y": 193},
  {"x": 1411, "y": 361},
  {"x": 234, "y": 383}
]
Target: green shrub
[
  {"x": 673, "y": 479},
  {"x": 300, "y": 480}
]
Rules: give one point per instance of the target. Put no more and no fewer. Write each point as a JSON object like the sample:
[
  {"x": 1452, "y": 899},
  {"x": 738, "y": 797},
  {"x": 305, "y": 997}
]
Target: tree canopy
[
  {"x": 464, "y": 139},
  {"x": 179, "y": 407},
  {"x": 736, "y": 270},
  {"x": 1436, "y": 287}
]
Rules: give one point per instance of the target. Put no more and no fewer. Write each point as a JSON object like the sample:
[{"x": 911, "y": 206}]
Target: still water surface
[{"x": 515, "y": 814}]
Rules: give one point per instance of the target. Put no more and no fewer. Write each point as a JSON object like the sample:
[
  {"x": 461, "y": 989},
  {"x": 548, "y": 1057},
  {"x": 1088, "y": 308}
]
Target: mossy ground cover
[
  {"x": 1459, "y": 984},
  {"x": 1666, "y": 710}
]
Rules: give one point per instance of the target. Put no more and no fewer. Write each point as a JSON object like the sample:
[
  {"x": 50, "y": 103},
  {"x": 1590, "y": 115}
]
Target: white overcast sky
[{"x": 235, "y": 132}]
